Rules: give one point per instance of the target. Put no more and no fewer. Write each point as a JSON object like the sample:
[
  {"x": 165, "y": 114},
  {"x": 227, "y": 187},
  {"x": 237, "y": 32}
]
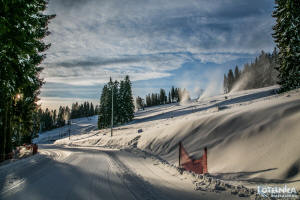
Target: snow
[
  {"x": 78, "y": 126},
  {"x": 252, "y": 136}
]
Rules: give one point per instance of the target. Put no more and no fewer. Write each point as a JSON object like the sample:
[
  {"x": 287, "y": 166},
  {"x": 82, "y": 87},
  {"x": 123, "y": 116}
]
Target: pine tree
[
  {"x": 225, "y": 84},
  {"x": 103, "y": 118},
  {"x": 287, "y": 38},
  {"x": 230, "y": 78},
  {"x": 140, "y": 103},
  {"x": 123, "y": 105},
  {"x": 129, "y": 109},
  {"x": 172, "y": 94},
  {"x": 23, "y": 25},
  {"x": 237, "y": 74},
  {"x": 117, "y": 101},
  {"x": 92, "y": 110},
  {"x": 176, "y": 95},
  {"x": 162, "y": 96},
  {"x": 61, "y": 117},
  {"x": 96, "y": 110}
]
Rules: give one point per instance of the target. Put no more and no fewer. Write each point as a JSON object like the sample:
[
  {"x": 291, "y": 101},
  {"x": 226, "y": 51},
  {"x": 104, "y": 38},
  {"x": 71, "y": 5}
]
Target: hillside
[{"x": 252, "y": 136}]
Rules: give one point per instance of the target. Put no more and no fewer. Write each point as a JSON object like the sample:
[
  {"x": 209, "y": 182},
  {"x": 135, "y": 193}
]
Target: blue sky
[{"x": 158, "y": 43}]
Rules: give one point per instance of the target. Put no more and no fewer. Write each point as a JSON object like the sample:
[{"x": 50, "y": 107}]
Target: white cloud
[{"x": 92, "y": 40}]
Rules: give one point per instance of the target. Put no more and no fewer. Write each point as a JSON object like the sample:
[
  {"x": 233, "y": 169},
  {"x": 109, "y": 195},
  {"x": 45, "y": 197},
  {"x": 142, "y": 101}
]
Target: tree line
[
  {"x": 282, "y": 67},
  {"x": 260, "y": 73},
  {"x": 154, "y": 99},
  {"x": 23, "y": 25},
  {"x": 116, "y": 98},
  {"x": 50, "y": 119}
]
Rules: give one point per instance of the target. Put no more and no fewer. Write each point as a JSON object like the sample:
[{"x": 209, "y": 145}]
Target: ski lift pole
[{"x": 112, "y": 111}]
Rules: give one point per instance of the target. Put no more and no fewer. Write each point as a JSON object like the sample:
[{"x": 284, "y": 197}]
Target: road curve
[{"x": 91, "y": 173}]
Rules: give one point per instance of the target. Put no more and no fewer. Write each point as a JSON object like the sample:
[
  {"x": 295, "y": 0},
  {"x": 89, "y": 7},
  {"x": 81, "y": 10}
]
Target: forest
[
  {"x": 260, "y": 73},
  {"x": 50, "y": 119}
]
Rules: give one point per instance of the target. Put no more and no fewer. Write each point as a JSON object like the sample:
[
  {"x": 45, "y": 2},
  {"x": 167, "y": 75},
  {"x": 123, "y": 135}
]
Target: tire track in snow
[
  {"x": 136, "y": 185},
  {"x": 109, "y": 179}
]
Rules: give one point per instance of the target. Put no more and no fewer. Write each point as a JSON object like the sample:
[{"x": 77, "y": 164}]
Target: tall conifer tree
[
  {"x": 287, "y": 38},
  {"x": 23, "y": 25}
]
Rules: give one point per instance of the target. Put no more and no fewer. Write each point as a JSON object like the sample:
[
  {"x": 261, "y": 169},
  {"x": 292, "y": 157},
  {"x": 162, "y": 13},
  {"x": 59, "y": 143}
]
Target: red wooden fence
[{"x": 198, "y": 166}]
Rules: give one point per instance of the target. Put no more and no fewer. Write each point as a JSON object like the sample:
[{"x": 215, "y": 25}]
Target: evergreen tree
[
  {"x": 237, "y": 74},
  {"x": 140, "y": 103},
  {"x": 172, "y": 94},
  {"x": 103, "y": 108},
  {"x": 177, "y": 94},
  {"x": 61, "y": 116},
  {"x": 286, "y": 35},
  {"x": 129, "y": 109},
  {"x": 54, "y": 117},
  {"x": 230, "y": 79},
  {"x": 123, "y": 105},
  {"x": 23, "y": 25},
  {"x": 92, "y": 110},
  {"x": 162, "y": 96},
  {"x": 261, "y": 73},
  {"x": 96, "y": 110},
  {"x": 117, "y": 100},
  {"x": 225, "y": 84},
  {"x": 148, "y": 100}
]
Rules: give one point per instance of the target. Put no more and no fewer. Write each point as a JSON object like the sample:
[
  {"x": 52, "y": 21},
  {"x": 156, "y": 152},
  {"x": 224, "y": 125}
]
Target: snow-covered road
[
  {"x": 235, "y": 128},
  {"x": 93, "y": 173}
]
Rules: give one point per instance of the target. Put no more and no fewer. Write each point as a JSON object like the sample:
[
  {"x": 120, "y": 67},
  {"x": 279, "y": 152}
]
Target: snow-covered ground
[
  {"x": 78, "y": 127},
  {"x": 252, "y": 138},
  {"x": 96, "y": 173}
]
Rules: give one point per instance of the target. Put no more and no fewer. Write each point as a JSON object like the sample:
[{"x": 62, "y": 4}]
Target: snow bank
[
  {"x": 258, "y": 142},
  {"x": 251, "y": 135}
]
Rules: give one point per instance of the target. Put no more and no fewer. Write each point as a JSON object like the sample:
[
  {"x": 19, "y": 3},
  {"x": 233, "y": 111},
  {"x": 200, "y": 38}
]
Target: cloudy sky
[{"x": 158, "y": 43}]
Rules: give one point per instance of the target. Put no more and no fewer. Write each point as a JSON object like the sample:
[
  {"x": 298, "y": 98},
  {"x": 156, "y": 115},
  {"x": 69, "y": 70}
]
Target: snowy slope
[
  {"x": 78, "y": 126},
  {"x": 252, "y": 136}
]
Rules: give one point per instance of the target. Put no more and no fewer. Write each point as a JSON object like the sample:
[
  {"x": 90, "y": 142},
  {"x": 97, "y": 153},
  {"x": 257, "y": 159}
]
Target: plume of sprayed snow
[
  {"x": 66, "y": 116},
  {"x": 242, "y": 83},
  {"x": 184, "y": 97},
  {"x": 214, "y": 86},
  {"x": 197, "y": 91},
  {"x": 191, "y": 87},
  {"x": 209, "y": 91},
  {"x": 135, "y": 104}
]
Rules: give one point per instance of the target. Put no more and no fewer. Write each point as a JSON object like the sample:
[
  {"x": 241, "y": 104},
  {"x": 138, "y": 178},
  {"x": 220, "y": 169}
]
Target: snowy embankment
[
  {"x": 78, "y": 126},
  {"x": 252, "y": 136}
]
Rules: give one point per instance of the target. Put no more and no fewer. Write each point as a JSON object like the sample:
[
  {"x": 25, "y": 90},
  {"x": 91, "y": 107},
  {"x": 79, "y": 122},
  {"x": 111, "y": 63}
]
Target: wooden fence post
[
  {"x": 179, "y": 154},
  {"x": 205, "y": 170}
]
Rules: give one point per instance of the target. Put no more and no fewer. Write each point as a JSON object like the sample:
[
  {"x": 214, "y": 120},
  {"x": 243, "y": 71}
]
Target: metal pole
[
  {"x": 69, "y": 129},
  {"x": 112, "y": 112}
]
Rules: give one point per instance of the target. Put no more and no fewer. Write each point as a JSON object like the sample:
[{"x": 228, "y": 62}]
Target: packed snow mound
[{"x": 258, "y": 142}]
